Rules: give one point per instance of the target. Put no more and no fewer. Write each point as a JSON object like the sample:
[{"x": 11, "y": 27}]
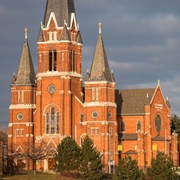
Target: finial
[
  {"x": 26, "y": 33},
  {"x": 158, "y": 82},
  {"x": 100, "y": 27},
  {"x": 65, "y": 23},
  {"x": 167, "y": 99}
]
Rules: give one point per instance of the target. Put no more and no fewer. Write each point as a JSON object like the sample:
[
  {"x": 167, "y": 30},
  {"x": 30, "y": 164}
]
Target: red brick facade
[{"x": 58, "y": 105}]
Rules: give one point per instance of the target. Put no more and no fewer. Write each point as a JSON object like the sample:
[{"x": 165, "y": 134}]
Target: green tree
[
  {"x": 175, "y": 126},
  {"x": 128, "y": 169},
  {"x": 68, "y": 153},
  {"x": 162, "y": 168},
  {"x": 90, "y": 161}
]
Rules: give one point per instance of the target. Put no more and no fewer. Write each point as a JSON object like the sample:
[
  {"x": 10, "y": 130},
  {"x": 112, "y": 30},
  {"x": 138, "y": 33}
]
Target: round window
[
  {"x": 109, "y": 114},
  {"x": 94, "y": 114},
  {"x": 51, "y": 88},
  {"x": 20, "y": 116}
]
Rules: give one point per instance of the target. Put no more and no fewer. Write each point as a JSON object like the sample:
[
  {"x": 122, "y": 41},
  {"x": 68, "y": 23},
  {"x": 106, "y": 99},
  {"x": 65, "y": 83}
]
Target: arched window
[
  {"x": 52, "y": 122},
  {"x": 57, "y": 123},
  {"x": 50, "y": 60},
  {"x": 55, "y": 60},
  {"x": 81, "y": 117},
  {"x": 122, "y": 126},
  {"x": 158, "y": 123},
  {"x": 138, "y": 126},
  {"x": 47, "y": 123}
]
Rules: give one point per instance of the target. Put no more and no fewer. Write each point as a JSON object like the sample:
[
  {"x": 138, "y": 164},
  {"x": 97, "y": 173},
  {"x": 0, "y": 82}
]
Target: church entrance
[
  {"x": 20, "y": 164},
  {"x": 51, "y": 164}
]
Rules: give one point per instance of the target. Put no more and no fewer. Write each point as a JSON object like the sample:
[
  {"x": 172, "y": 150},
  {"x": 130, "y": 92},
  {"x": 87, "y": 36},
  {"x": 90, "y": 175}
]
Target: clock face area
[
  {"x": 51, "y": 88},
  {"x": 20, "y": 116}
]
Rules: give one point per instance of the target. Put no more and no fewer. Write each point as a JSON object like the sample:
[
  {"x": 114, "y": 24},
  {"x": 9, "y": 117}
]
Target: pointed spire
[
  {"x": 64, "y": 34},
  {"x": 25, "y": 74},
  {"x": 40, "y": 35},
  {"x": 62, "y": 10},
  {"x": 79, "y": 38},
  {"x": 100, "y": 69},
  {"x": 168, "y": 103}
]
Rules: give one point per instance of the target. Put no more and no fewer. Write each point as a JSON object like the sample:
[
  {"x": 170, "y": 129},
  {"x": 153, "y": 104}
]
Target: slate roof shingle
[
  {"x": 133, "y": 101},
  {"x": 100, "y": 68},
  {"x": 128, "y": 136},
  {"x": 62, "y": 10},
  {"x": 25, "y": 74}
]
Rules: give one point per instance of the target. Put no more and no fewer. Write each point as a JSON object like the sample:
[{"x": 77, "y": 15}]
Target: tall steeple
[
  {"x": 100, "y": 69},
  {"x": 62, "y": 9},
  {"x": 25, "y": 74}
]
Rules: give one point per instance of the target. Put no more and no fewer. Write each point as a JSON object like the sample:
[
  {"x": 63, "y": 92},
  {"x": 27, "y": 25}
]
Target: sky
[{"x": 141, "y": 38}]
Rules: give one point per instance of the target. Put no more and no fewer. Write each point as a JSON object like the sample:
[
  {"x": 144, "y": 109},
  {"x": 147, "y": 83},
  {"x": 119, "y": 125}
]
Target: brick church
[{"x": 58, "y": 101}]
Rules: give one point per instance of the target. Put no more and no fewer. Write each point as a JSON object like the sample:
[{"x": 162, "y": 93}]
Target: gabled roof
[
  {"x": 100, "y": 69},
  {"x": 130, "y": 152},
  {"x": 25, "y": 74},
  {"x": 133, "y": 101},
  {"x": 128, "y": 136},
  {"x": 159, "y": 138},
  {"x": 62, "y": 10}
]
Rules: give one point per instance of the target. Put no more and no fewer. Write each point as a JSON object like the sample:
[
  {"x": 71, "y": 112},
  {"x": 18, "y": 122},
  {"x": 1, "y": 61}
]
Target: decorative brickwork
[{"x": 54, "y": 104}]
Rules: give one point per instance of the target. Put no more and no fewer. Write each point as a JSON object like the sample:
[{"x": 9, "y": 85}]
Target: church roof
[
  {"x": 159, "y": 138},
  {"x": 132, "y": 101},
  {"x": 130, "y": 152},
  {"x": 25, "y": 74},
  {"x": 62, "y": 10},
  {"x": 128, "y": 136},
  {"x": 100, "y": 69}
]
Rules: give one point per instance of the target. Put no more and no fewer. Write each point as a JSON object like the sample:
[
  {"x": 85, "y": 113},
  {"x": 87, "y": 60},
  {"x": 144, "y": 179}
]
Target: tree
[
  {"x": 175, "y": 126},
  {"x": 3, "y": 151},
  {"x": 68, "y": 153},
  {"x": 128, "y": 169},
  {"x": 162, "y": 168},
  {"x": 90, "y": 160},
  {"x": 36, "y": 151}
]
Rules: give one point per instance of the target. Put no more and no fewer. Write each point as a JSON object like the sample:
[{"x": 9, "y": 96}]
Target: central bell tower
[{"x": 59, "y": 77}]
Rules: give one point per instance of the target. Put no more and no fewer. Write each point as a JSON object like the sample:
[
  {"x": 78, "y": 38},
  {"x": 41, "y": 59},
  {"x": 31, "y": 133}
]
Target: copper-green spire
[{"x": 25, "y": 74}]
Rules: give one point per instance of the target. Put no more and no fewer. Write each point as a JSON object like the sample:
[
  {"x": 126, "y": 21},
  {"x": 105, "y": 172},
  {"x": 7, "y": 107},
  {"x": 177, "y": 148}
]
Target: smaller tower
[
  {"x": 100, "y": 105},
  {"x": 23, "y": 88}
]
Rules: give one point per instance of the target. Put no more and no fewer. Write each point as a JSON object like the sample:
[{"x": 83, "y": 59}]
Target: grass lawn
[{"x": 28, "y": 175}]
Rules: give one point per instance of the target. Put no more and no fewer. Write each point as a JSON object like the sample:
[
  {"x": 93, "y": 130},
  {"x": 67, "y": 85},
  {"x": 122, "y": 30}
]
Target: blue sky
[{"x": 141, "y": 37}]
